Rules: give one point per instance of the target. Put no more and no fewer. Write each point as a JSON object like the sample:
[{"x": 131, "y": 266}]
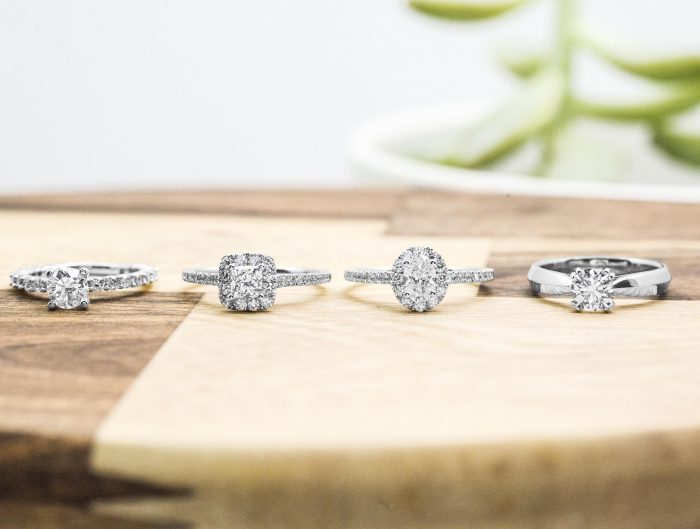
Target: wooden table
[{"x": 338, "y": 408}]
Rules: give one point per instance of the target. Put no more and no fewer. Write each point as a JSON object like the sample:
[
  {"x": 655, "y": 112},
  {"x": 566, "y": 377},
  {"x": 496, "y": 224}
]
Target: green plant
[{"x": 548, "y": 102}]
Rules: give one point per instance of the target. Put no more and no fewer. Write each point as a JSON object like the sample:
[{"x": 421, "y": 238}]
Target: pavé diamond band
[
  {"x": 593, "y": 282},
  {"x": 248, "y": 281},
  {"x": 68, "y": 284},
  {"x": 419, "y": 277}
]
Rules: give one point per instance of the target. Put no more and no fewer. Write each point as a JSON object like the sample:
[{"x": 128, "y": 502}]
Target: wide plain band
[
  {"x": 102, "y": 276},
  {"x": 633, "y": 277},
  {"x": 285, "y": 277},
  {"x": 384, "y": 276}
]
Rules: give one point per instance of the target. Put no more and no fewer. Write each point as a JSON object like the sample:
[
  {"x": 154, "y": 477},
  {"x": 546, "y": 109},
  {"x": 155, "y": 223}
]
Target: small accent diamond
[
  {"x": 592, "y": 289},
  {"x": 419, "y": 278},
  {"x": 68, "y": 288}
]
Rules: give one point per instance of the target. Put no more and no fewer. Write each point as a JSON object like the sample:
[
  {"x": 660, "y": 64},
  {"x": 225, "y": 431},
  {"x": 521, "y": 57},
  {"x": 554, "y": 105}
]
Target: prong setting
[
  {"x": 592, "y": 289},
  {"x": 67, "y": 288}
]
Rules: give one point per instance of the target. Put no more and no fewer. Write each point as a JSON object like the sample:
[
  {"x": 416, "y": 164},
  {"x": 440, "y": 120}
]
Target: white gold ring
[
  {"x": 419, "y": 277},
  {"x": 592, "y": 282},
  {"x": 248, "y": 281},
  {"x": 68, "y": 284}
]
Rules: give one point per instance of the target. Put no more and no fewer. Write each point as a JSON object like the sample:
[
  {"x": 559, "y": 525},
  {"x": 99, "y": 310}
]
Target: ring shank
[
  {"x": 285, "y": 277},
  {"x": 101, "y": 276},
  {"x": 384, "y": 276},
  {"x": 634, "y": 277}
]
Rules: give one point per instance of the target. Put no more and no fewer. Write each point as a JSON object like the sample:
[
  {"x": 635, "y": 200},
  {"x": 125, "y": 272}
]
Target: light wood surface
[{"x": 338, "y": 408}]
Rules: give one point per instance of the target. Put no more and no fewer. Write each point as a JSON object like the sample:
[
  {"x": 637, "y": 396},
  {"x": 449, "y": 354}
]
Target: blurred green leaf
[
  {"x": 640, "y": 60},
  {"x": 582, "y": 154},
  {"x": 655, "y": 102},
  {"x": 680, "y": 137},
  {"x": 521, "y": 60},
  {"x": 502, "y": 131},
  {"x": 466, "y": 9}
]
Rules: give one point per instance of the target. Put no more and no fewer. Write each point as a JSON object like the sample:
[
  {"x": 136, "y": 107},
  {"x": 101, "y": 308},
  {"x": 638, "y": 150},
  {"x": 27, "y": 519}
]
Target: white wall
[{"x": 164, "y": 94}]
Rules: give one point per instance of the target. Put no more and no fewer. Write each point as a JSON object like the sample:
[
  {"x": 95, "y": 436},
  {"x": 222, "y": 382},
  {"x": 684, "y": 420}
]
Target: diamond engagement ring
[
  {"x": 419, "y": 277},
  {"x": 68, "y": 284},
  {"x": 248, "y": 281},
  {"x": 592, "y": 282}
]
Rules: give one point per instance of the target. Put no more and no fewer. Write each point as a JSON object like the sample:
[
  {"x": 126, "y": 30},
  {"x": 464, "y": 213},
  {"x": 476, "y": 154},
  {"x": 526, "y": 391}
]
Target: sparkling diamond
[
  {"x": 592, "y": 289},
  {"x": 247, "y": 282},
  {"x": 419, "y": 278},
  {"x": 67, "y": 288}
]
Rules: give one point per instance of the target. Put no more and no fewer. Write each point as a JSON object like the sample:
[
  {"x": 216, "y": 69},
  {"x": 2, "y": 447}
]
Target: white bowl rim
[{"x": 367, "y": 154}]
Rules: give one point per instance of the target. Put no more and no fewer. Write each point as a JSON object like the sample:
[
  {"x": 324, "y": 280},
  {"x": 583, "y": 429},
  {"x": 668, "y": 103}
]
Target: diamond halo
[
  {"x": 247, "y": 282},
  {"x": 592, "y": 289},
  {"x": 419, "y": 278}
]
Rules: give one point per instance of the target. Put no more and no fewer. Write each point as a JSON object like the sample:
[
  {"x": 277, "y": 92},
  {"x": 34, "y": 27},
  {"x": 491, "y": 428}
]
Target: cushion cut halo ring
[
  {"x": 69, "y": 284},
  {"x": 419, "y": 277},
  {"x": 248, "y": 281},
  {"x": 593, "y": 282}
]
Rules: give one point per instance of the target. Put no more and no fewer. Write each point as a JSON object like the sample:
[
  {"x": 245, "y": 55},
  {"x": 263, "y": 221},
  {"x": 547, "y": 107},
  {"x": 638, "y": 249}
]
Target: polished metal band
[{"x": 633, "y": 277}]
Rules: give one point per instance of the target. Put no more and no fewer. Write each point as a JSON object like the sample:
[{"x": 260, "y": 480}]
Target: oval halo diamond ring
[
  {"x": 419, "y": 277},
  {"x": 592, "y": 282},
  {"x": 68, "y": 284},
  {"x": 248, "y": 281}
]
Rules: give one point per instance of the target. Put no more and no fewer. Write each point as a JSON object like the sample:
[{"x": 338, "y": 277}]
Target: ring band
[
  {"x": 384, "y": 276},
  {"x": 419, "y": 277},
  {"x": 68, "y": 284},
  {"x": 593, "y": 281},
  {"x": 248, "y": 281}
]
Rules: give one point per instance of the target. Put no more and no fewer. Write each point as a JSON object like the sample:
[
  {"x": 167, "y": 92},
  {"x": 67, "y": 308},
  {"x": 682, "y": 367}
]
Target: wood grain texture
[
  {"x": 338, "y": 408},
  {"x": 361, "y": 203},
  {"x": 445, "y": 213},
  {"x": 405, "y": 421},
  {"x": 42, "y": 470},
  {"x": 584, "y": 484},
  {"x": 19, "y": 515},
  {"x": 61, "y": 372}
]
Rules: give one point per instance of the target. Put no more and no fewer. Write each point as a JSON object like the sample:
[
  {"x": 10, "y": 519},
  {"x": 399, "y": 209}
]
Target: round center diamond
[
  {"x": 67, "y": 289},
  {"x": 420, "y": 278},
  {"x": 592, "y": 289}
]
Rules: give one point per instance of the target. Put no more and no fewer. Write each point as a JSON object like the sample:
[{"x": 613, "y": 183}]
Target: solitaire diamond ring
[
  {"x": 68, "y": 284},
  {"x": 419, "y": 277},
  {"x": 592, "y": 282},
  {"x": 248, "y": 281}
]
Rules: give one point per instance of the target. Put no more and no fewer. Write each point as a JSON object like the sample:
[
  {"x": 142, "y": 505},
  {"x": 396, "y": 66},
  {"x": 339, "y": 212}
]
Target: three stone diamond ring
[
  {"x": 68, "y": 284},
  {"x": 248, "y": 281},
  {"x": 592, "y": 282},
  {"x": 419, "y": 277}
]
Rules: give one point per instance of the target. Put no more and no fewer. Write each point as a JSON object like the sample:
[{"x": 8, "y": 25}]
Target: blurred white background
[{"x": 172, "y": 94}]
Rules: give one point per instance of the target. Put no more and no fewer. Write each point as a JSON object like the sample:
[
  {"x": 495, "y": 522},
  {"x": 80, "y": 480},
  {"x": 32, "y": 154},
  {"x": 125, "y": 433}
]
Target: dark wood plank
[
  {"x": 19, "y": 515},
  {"x": 43, "y": 470},
  {"x": 444, "y": 213},
  {"x": 360, "y": 203},
  {"x": 61, "y": 372}
]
